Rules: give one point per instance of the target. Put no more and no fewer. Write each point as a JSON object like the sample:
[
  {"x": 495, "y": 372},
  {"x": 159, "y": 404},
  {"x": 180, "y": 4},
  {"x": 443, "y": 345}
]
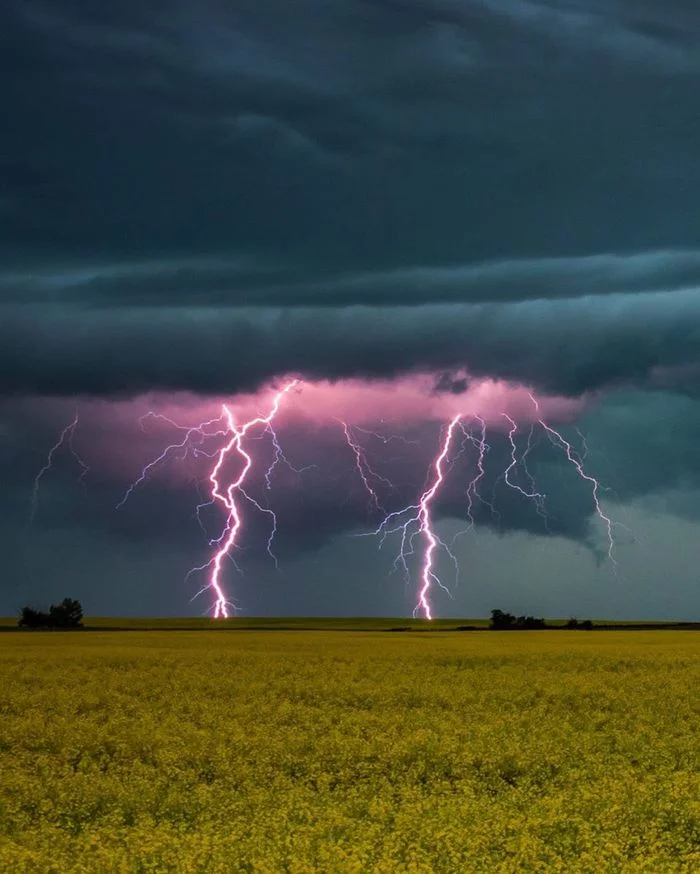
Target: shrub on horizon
[{"x": 67, "y": 614}]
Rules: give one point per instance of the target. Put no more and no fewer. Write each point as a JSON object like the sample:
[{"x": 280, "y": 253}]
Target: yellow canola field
[{"x": 349, "y": 752}]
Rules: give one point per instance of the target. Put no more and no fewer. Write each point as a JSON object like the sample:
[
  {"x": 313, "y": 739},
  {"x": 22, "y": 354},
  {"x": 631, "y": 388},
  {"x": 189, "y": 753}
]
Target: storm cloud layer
[
  {"x": 189, "y": 191},
  {"x": 202, "y": 196}
]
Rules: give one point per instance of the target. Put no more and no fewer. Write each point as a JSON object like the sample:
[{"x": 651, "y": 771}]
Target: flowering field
[{"x": 296, "y": 751}]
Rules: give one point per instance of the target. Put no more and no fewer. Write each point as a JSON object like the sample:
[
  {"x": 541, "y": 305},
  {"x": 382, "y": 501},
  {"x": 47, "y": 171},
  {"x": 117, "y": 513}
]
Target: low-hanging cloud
[
  {"x": 565, "y": 347},
  {"x": 227, "y": 281}
]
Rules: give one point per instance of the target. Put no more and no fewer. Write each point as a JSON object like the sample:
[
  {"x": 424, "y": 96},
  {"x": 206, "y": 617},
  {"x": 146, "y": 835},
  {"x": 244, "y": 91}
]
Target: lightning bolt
[
  {"x": 428, "y": 575},
  {"x": 386, "y": 439},
  {"x": 192, "y": 441},
  {"x": 280, "y": 457},
  {"x": 514, "y": 461},
  {"x": 473, "y": 493},
  {"x": 533, "y": 495},
  {"x": 65, "y": 438},
  {"x": 363, "y": 467},
  {"x": 523, "y": 458},
  {"x": 584, "y": 443},
  {"x": 575, "y": 460},
  {"x": 416, "y": 519},
  {"x": 419, "y": 522},
  {"x": 172, "y": 448},
  {"x": 226, "y": 497}
]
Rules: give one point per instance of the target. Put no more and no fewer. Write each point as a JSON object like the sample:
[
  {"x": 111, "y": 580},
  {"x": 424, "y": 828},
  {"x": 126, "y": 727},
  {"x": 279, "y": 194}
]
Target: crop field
[{"x": 360, "y": 751}]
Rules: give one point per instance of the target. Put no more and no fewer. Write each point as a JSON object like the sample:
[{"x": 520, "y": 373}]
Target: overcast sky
[{"x": 199, "y": 197}]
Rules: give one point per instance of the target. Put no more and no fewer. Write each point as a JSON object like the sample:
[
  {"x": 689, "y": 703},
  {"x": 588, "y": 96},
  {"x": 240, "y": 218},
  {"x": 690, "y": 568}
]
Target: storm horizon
[{"x": 480, "y": 215}]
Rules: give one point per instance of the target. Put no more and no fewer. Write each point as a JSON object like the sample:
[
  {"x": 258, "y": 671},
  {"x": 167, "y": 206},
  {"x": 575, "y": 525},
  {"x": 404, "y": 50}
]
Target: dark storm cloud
[
  {"x": 185, "y": 187},
  {"x": 569, "y": 347},
  {"x": 375, "y": 131},
  {"x": 366, "y": 124},
  {"x": 646, "y": 444},
  {"x": 230, "y": 282}
]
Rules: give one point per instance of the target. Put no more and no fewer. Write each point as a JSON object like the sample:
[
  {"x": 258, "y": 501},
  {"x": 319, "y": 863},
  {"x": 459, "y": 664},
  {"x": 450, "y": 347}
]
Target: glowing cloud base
[{"x": 467, "y": 409}]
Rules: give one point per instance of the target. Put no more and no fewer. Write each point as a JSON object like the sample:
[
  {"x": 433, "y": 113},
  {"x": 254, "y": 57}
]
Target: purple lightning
[
  {"x": 227, "y": 499},
  {"x": 419, "y": 522},
  {"x": 428, "y": 574},
  {"x": 225, "y": 496},
  {"x": 171, "y": 448}
]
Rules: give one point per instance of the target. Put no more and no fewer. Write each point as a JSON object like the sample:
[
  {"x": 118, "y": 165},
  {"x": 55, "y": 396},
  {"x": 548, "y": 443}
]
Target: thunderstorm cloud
[{"x": 198, "y": 198}]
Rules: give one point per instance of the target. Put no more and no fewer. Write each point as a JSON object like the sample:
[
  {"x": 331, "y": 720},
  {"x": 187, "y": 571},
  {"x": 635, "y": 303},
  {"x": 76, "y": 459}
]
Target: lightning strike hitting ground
[
  {"x": 227, "y": 498},
  {"x": 419, "y": 522},
  {"x": 427, "y": 574}
]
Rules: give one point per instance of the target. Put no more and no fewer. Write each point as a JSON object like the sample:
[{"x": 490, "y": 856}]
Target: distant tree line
[
  {"x": 67, "y": 614},
  {"x": 502, "y": 621},
  {"x": 584, "y": 625}
]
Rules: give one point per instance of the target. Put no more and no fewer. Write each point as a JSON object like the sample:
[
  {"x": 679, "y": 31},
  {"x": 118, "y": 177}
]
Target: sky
[{"x": 420, "y": 209}]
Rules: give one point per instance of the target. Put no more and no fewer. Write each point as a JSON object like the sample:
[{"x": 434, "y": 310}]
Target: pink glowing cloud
[
  {"x": 119, "y": 434},
  {"x": 215, "y": 438}
]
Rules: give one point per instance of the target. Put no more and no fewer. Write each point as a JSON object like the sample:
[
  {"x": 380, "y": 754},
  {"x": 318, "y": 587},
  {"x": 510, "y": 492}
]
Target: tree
[
  {"x": 67, "y": 614},
  {"x": 586, "y": 625},
  {"x": 501, "y": 621},
  {"x": 530, "y": 622},
  {"x": 32, "y": 618}
]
